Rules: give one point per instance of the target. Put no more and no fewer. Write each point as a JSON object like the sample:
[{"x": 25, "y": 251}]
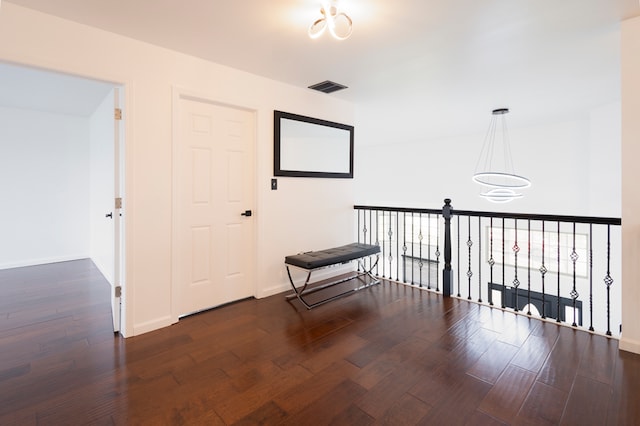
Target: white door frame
[
  {"x": 125, "y": 126},
  {"x": 179, "y": 93},
  {"x": 125, "y": 326},
  {"x": 118, "y": 258}
]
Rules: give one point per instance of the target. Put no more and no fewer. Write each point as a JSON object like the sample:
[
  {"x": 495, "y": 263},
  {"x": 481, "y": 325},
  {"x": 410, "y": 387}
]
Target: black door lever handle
[{"x": 246, "y": 213}]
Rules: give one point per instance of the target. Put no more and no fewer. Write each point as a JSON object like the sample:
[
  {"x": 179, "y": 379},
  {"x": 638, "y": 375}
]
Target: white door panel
[{"x": 215, "y": 185}]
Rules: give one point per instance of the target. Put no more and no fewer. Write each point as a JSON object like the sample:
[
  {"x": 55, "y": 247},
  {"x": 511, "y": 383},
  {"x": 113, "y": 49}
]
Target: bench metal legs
[{"x": 303, "y": 291}]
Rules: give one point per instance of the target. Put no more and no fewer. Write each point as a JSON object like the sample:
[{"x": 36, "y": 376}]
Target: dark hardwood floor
[{"x": 390, "y": 354}]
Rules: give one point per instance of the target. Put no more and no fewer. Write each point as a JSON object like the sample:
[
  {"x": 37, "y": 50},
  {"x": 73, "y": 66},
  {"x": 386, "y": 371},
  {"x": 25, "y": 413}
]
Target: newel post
[{"x": 447, "y": 273}]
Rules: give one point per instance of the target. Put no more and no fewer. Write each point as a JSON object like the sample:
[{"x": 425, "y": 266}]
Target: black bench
[{"x": 314, "y": 260}]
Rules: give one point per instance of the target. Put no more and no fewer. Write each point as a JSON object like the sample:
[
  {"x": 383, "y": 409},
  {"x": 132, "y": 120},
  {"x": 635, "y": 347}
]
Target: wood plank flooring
[{"x": 388, "y": 355}]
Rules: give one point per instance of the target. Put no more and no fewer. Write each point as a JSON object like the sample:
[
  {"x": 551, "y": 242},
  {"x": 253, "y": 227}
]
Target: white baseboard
[
  {"x": 42, "y": 261},
  {"x": 152, "y": 325},
  {"x": 629, "y": 345},
  {"x": 266, "y": 292},
  {"x": 105, "y": 273}
]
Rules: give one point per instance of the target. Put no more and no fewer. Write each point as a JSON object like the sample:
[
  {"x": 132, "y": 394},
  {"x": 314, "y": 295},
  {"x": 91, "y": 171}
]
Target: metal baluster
[
  {"x": 358, "y": 229},
  {"x": 364, "y": 224},
  {"x": 503, "y": 266},
  {"x": 558, "y": 302},
  {"x": 429, "y": 251},
  {"x": 358, "y": 226},
  {"x": 458, "y": 237},
  {"x": 591, "y": 277},
  {"x": 390, "y": 234},
  {"x": 437, "y": 255},
  {"x": 412, "y": 248},
  {"x": 420, "y": 262},
  {"x": 491, "y": 262},
  {"x": 378, "y": 239},
  {"x": 608, "y": 280},
  {"x": 397, "y": 247},
  {"x": 479, "y": 259},
  {"x": 404, "y": 247},
  {"x": 370, "y": 222},
  {"x": 372, "y": 230},
  {"x": 384, "y": 272},
  {"x": 543, "y": 271},
  {"x": 469, "y": 245},
  {"x": 516, "y": 249},
  {"x": 574, "y": 259},
  {"x": 529, "y": 266}
]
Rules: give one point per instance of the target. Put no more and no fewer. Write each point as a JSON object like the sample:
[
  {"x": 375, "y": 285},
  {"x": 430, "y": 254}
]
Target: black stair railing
[{"x": 522, "y": 255}]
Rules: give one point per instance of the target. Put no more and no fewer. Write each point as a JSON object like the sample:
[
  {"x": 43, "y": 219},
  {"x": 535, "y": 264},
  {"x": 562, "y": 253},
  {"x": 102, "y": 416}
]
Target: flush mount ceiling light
[
  {"x": 339, "y": 24},
  {"x": 494, "y": 169}
]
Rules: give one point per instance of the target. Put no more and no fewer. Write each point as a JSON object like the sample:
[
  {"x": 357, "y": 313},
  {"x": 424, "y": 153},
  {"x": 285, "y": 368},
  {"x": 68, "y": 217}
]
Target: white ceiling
[{"x": 539, "y": 57}]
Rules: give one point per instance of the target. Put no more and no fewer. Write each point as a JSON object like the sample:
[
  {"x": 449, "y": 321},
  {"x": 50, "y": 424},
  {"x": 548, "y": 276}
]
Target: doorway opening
[{"x": 61, "y": 146}]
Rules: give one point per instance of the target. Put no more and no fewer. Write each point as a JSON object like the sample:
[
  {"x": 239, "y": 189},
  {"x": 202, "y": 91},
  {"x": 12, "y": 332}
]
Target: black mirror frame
[{"x": 278, "y": 171}]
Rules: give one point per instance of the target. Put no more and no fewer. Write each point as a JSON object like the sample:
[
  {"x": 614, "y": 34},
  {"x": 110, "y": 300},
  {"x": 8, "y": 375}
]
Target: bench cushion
[{"x": 318, "y": 259}]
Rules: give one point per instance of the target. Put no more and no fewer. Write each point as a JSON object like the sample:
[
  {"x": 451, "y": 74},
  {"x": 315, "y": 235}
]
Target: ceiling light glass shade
[
  {"x": 500, "y": 195},
  {"x": 494, "y": 168},
  {"x": 339, "y": 24},
  {"x": 501, "y": 180}
]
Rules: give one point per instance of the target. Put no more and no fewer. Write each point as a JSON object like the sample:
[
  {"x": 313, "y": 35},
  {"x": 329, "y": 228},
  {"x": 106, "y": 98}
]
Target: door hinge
[
  {"x": 118, "y": 291},
  {"x": 118, "y": 114},
  {"x": 118, "y": 203}
]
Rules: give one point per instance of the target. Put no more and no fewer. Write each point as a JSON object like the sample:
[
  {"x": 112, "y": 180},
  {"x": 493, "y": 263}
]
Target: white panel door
[{"x": 215, "y": 187}]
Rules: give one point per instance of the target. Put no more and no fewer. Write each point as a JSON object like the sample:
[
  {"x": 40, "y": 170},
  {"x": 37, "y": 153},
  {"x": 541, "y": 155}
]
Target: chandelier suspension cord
[
  {"x": 487, "y": 146},
  {"x": 509, "y": 167}
]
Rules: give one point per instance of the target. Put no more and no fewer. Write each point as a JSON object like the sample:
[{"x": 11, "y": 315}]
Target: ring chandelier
[{"x": 497, "y": 173}]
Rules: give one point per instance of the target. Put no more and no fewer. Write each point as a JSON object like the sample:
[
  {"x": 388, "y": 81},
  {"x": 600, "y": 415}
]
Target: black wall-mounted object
[
  {"x": 548, "y": 305},
  {"x": 311, "y": 147}
]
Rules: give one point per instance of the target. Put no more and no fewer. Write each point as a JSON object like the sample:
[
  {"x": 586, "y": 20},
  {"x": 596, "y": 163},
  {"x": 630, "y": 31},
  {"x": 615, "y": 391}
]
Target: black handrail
[
  {"x": 397, "y": 209},
  {"x": 596, "y": 220}
]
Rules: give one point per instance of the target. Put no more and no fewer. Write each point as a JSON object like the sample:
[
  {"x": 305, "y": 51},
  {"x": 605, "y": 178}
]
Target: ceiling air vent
[{"x": 327, "y": 86}]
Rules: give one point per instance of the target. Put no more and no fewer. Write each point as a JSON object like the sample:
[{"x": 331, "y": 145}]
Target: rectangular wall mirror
[{"x": 310, "y": 147}]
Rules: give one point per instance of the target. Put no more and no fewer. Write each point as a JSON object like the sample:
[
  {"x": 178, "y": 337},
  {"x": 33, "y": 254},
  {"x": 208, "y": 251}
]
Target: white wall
[
  {"x": 101, "y": 198},
  {"x": 605, "y": 174},
  {"x": 558, "y": 158},
  {"x": 44, "y": 173},
  {"x": 302, "y": 214},
  {"x": 630, "y": 177}
]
